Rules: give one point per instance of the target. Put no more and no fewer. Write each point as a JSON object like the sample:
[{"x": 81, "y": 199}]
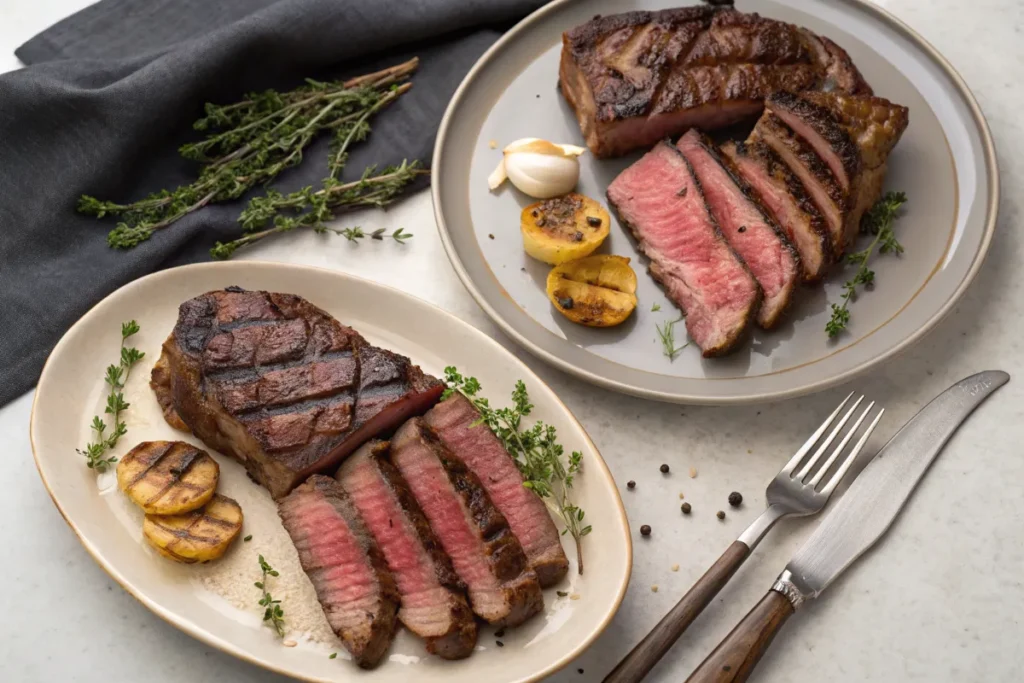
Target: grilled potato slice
[
  {"x": 597, "y": 291},
  {"x": 564, "y": 228},
  {"x": 198, "y": 536},
  {"x": 168, "y": 477}
]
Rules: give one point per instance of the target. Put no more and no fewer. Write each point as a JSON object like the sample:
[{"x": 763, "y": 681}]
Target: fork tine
[
  {"x": 809, "y": 444},
  {"x": 838, "y": 450},
  {"x": 827, "y": 442},
  {"x": 841, "y": 472}
]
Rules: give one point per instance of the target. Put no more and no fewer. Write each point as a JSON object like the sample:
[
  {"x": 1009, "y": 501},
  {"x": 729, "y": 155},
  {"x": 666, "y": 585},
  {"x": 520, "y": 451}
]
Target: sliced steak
[
  {"x": 778, "y": 189},
  {"x": 280, "y": 385},
  {"x": 637, "y": 77},
  {"x": 661, "y": 202},
  {"x": 817, "y": 178},
  {"x": 756, "y": 238},
  {"x": 344, "y": 564},
  {"x": 434, "y": 605},
  {"x": 853, "y": 135},
  {"x": 458, "y": 424},
  {"x": 503, "y": 590}
]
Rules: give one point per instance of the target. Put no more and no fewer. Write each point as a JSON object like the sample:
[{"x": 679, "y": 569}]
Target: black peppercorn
[
  {"x": 594, "y": 221},
  {"x": 685, "y": 507},
  {"x": 645, "y": 530},
  {"x": 565, "y": 302},
  {"x": 742, "y": 228},
  {"x": 720, "y": 514},
  {"x": 577, "y": 236},
  {"x": 535, "y": 213},
  {"x": 499, "y": 643},
  {"x": 735, "y": 499},
  {"x": 630, "y": 484},
  {"x": 500, "y": 633},
  {"x": 664, "y": 469}
]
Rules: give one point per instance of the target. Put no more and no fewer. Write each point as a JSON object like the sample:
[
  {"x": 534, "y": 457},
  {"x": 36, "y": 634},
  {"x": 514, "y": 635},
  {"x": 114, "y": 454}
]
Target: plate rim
[
  {"x": 210, "y": 638},
  {"x": 991, "y": 218}
]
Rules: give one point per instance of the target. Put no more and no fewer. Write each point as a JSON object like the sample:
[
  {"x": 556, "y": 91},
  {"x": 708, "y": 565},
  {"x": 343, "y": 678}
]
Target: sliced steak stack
[
  {"x": 661, "y": 202},
  {"x": 344, "y": 564},
  {"x": 458, "y": 424},
  {"x": 849, "y": 138},
  {"x": 637, "y": 77},
  {"x": 281, "y": 385},
  {"x": 503, "y": 589},
  {"x": 748, "y": 229},
  {"x": 434, "y": 605}
]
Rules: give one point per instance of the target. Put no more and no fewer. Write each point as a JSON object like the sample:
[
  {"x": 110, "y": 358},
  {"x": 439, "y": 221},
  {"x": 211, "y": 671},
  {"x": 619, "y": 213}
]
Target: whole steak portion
[
  {"x": 637, "y": 77},
  {"x": 346, "y": 567},
  {"x": 281, "y": 385}
]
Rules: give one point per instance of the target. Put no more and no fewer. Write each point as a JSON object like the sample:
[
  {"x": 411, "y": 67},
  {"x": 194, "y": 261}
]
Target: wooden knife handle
[
  {"x": 651, "y": 649},
  {"x": 737, "y": 655}
]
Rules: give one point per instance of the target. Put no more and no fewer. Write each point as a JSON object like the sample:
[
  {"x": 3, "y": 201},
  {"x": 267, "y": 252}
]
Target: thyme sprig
[
  {"x": 878, "y": 221},
  {"x": 535, "y": 449},
  {"x": 308, "y": 208},
  {"x": 667, "y": 335},
  {"x": 272, "y": 612},
  {"x": 258, "y": 138},
  {"x": 96, "y": 451}
]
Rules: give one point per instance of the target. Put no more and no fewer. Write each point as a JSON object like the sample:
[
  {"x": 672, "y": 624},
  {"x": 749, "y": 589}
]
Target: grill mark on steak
[
  {"x": 457, "y": 422},
  {"x": 346, "y": 567},
  {"x": 287, "y": 390},
  {"x": 503, "y": 590},
  {"x": 815, "y": 124},
  {"x": 688, "y": 254},
  {"x": 782, "y": 194},
  {"x": 756, "y": 238},
  {"x": 636, "y": 77},
  {"x": 434, "y": 604}
]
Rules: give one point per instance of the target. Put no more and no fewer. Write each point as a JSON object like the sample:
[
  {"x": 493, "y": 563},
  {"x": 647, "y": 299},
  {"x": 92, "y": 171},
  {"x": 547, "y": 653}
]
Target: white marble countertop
[{"x": 937, "y": 600}]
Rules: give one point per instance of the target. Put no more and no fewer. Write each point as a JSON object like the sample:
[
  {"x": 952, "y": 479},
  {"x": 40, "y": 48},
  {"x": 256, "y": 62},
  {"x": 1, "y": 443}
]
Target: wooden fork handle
[
  {"x": 737, "y": 655},
  {"x": 652, "y": 648}
]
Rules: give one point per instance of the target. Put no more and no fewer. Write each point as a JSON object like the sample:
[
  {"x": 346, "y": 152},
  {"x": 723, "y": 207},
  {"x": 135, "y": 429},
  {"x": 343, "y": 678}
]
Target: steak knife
[{"x": 859, "y": 519}]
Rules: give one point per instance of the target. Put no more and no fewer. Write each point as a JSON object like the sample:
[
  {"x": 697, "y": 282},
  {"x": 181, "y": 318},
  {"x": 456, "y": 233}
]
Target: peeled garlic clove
[
  {"x": 497, "y": 176},
  {"x": 542, "y": 175}
]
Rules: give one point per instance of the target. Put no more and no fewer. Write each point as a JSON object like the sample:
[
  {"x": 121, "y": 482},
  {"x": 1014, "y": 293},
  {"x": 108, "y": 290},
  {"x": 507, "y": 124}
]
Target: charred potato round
[
  {"x": 564, "y": 228},
  {"x": 168, "y": 477},
  {"x": 597, "y": 291},
  {"x": 198, "y": 536}
]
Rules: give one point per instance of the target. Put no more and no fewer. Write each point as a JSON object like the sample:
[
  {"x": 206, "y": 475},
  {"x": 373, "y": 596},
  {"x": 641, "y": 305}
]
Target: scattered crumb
[
  {"x": 654, "y": 588},
  {"x": 499, "y": 643},
  {"x": 493, "y": 144},
  {"x": 720, "y": 514},
  {"x": 500, "y": 633},
  {"x": 538, "y": 97},
  {"x": 675, "y": 567},
  {"x": 574, "y": 596},
  {"x": 693, "y": 473},
  {"x": 681, "y": 496},
  {"x": 289, "y": 643},
  {"x": 491, "y": 235}
]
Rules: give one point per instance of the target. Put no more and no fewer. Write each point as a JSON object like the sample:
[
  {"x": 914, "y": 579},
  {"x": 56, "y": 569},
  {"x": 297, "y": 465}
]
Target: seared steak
[
  {"x": 637, "y": 77},
  {"x": 661, "y": 202},
  {"x": 345, "y": 566},
  {"x": 755, "y": 237},
  {"x": 457, "y": 422},
  {"x": 281, "y": 385},
  {"x": 781, "y": 192},
  {"x": 503, "y": 590},
  {"x": 852, "y": 135},
  {"x": 434, "y": 605}
]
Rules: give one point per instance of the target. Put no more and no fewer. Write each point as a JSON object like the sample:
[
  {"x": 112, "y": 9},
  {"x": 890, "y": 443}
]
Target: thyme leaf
[
  {"x": 667, "y": 335},
  {"x": 272, "y": 611}
]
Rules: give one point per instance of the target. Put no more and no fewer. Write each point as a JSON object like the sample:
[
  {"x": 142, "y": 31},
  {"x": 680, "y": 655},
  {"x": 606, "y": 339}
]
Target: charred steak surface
[
  {"x": 637, "y": 77},
  {"x": 281, "y": 385},
  {"x": 434, "y": 604},
  {"x": 345, "y": 566}
]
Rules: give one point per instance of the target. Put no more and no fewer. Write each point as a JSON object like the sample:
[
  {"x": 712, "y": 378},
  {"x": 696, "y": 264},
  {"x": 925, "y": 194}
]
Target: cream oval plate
[
  {"x": 216, "y": 603},
  {"x": 945, "y": 163}
]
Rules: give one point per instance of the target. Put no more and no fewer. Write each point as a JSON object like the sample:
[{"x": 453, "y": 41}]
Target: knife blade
[
  {"x": 857, "y": 521},
  {"x": 875, "y": 498}
]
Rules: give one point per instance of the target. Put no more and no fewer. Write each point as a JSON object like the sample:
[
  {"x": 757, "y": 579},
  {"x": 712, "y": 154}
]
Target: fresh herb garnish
[
  {"x": 117, "y": 376},
  {"x": 878, "y": 221},
  {"x": 333, "y": 655},
  {"x": 258, "y": 138},
  {"x": 247, "y": 538},
  {"x": 655, "y": 308},
  {"x": 666, "y": 333},
  {"x": 535, "y": 450},
  {"x": 272, "y": 612}
]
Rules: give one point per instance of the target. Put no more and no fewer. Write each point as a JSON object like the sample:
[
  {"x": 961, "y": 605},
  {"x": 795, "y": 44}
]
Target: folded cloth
[{"x": 110, "y": 93}]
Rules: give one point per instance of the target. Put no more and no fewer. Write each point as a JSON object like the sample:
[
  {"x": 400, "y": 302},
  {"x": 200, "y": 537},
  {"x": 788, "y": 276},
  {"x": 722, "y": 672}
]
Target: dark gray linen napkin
[{"x": 111, "y": 92}]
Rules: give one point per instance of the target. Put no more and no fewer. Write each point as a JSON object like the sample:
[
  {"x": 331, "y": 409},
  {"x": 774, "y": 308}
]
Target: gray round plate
[{"x": 945, "y": 163}]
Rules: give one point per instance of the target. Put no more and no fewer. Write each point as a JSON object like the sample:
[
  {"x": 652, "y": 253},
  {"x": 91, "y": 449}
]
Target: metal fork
[{"x": 800, "y": 489}]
